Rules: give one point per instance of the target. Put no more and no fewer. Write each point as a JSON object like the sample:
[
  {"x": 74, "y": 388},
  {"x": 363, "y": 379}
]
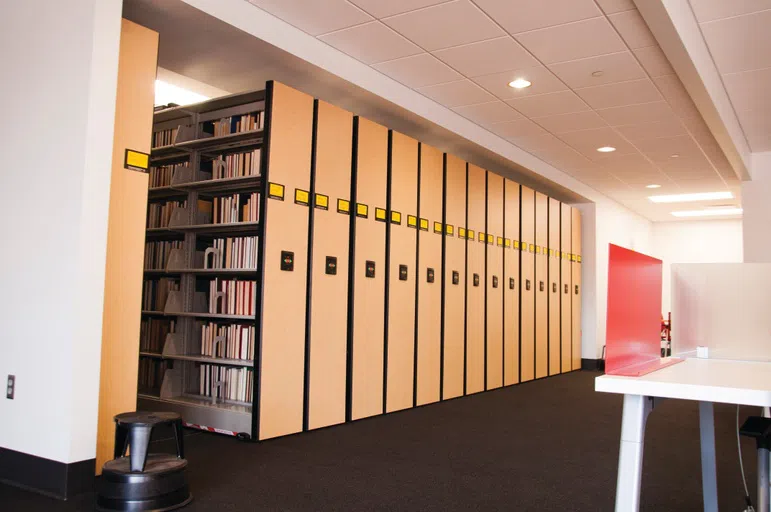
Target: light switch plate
[{"x": 11, "y": 387}]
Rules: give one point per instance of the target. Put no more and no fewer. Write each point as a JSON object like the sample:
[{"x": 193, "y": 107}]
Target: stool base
[{"x": 161, "y": 487}]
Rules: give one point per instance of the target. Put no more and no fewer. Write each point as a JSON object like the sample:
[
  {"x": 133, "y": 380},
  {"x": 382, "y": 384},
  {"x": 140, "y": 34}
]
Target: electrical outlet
[{"x": 11, "y": 388}]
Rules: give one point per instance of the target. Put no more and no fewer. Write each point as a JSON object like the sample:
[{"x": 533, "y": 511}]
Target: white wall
[
  {"x": 61, "y": 62},
  {"x": 756, "y": 201},
  {"x": 704, "y": 241}
]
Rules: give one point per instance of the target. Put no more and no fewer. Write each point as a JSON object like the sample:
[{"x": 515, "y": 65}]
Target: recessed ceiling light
[
  {"x": 519, "y": 83},
  {"x": 682, "y": 198},
  {"x": 606, "y": 149},
  {"x": 598, "y": 73},
  {"x": 652, "y": 185},
  {"x": 708, "y": 212},
  {"x": 674, "y": 156}
]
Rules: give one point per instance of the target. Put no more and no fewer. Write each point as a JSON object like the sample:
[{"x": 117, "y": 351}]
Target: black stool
[
  {"x": 142, "y": 482},
  {"x": 760, "y": 429}
]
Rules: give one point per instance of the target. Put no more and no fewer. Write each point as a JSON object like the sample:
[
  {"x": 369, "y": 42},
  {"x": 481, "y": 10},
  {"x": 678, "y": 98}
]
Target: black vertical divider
[
  {"x": 351, "y": 269},
  {"x": 387, "y": 268},
  {"x": 535, "y": 300},
  {"x": 444, "y": 280},
  {"x": 559, "y": 290},
  {"x": 465, "y": 295},
  {"x": 519, "y": 313},
  {"x": 309, "y": 280},
  {"x": 503, "y": 293},
  {"x": 417, "y": 284},
  {"x": 487, "y": 248},
  {"x": 265, "y": 176}
]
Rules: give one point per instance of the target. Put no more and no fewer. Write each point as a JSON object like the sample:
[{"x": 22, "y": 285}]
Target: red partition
[{"x": 633, "y": 343}]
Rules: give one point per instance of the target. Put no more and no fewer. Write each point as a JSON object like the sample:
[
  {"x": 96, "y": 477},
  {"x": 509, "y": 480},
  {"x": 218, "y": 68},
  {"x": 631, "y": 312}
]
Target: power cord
[{"x": 747, "y": 499}]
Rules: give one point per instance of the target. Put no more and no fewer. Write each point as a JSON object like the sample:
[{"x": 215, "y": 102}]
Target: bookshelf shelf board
[
  {"x": 222, "y": 142},
  {"x": 170, "y": 151},
  {"x": 224, "y": 184},
  {"x": 154, "y": 313},
  {"x": 205, "y": 402},
  {"x": 215, "y": 316},
  {"x": 161, "y": 272},
  {"x": 230, "y": 227},
  {"x": 212, "y": 360},
  {"x": 154, "y": 355},
  {"x": 222, "y": 271},
  {"x": 164, "y": 192},
  {"x": 149, "y": 393}
]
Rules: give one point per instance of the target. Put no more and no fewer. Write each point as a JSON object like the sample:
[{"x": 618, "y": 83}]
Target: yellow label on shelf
[
  {"x": 343, "y": 206},
  {"x": 507, "y": 242},
  {"x": 136, "y": 161},
  {"x": 579, "y": 259},
  {"x": 461, "y": 232},
  {"x": 322, "y": 201},
  {"x": 470, "y": 234},
  {"x": 500, "y": 241},
  {"x": 396, "y": 217},
  {"x": 481, "y": 236},
  {"x": 537, "y": 250},
  {"x": 438, "y": 227},
  {"x": 301, "y": 196},
  {"x": 449, "y": 229},
  {"x": 412, "y": 221},
  {"x": 276, "y": 191},
  {"x": 362, "y": 210},
  {"x": 490, "y": 239},
  {"x": 380, "y": 214},
  {"x": 532, "y": 248},
  {"x": 516, "y": 244},
  {"x": 424, "y": 224}
]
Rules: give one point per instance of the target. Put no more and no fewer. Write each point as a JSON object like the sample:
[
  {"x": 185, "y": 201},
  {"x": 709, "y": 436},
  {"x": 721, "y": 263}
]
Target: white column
[{"x": 756, "y": 201}]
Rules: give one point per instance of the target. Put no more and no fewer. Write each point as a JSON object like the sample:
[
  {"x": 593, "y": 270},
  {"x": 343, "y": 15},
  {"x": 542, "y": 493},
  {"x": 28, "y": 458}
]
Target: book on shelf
[
  {"x": 243, "y": 207},
  {"x": 161, "y": 175},
  {"x": 159, "y": 214},
  {"x": 235, "y": 253},
  {"x": 226, "y": 383},
  {"x": 155, "y": 293},
  {"x": 152, "y": 334},
  {"x": 232, "y": 297},
  {"x": 237, "y": 341},
  {"x": 236, "y": 165},
  {"x": 157, "y": 253},
  {"x": 151, "y": 373},
  {"x": 234, "y": 124},
  {"x": 165, "y": 137}
]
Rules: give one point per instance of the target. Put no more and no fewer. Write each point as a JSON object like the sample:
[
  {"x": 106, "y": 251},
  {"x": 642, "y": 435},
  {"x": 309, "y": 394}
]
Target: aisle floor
[{"x": 545, "y": 445}]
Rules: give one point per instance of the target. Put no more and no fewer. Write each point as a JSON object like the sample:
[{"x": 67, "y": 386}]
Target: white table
[{"x": 704, "y": 380}]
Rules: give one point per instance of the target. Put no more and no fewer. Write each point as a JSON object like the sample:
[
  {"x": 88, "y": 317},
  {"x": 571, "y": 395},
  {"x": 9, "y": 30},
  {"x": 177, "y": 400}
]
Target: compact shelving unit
[{"x": 194, "y": 149}]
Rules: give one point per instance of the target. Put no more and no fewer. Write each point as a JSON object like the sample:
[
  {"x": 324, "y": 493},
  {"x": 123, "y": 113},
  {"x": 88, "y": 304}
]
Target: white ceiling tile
[
  {"x": 638, "y": 132},
  {"x": 740, "y": 43},
  {"x": 615, "y": 67},
  {"x": 487, "y": 57},
  {"x": 563, "y": 102},
  {"x": 371, "y": 42},
  {"x": 488, "y": 113},
  {"x": 418, "y": 71},
  {"x": 633, "y": 29},
  {"x": 381, "y": 8},
  {"x": 445, "y": 25},
  {"x": 456, "y": 94},
  {"x": 317, "y": 17},
  {"x": 748, "y": 89},
  {"x": 620, "y": 93},
  {"x": 516, "y": 129},
  {"x": 662, "y": 149},
  {"x": 542, "y": 79},
  {"x": 631, "y": 163},
  {"x": 611, "y": 6},
  {"x": 565, "y": 159},
  {"x": 760, "y": 143},
  {"x": 637, "y": 114},
  {"x": 538, "y": 143},
  {"x": 522, "y": 15},
  {"x": 755, "y": 122},
  {"x": 674, "y": 92},
  {"x": 572, "y": 41},
  {"x": 587, "y": 141},
  {"x": 654, "y": 61},
  {"x": 572, "y": 122},
  {"x": 687, "y": 166},
  {"x": 709, "y": 10}
]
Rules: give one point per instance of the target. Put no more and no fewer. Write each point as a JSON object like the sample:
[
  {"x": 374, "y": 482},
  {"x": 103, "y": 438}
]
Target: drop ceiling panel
[
  {"x": 628, "y": 164},
  {"x": 572, "y": 122},
  {"x": 457, "y": 94},
  {"x": 317, "y": 17},
  {"x": 383, "y": 8},
  {"x": 760, "y": 142},
  {"x": 586, "y": 142},
  {"x": 749, "y": 89},
  {"x": 614, "y": 67},
  {"x": 611, "y": 6},
  {"x": 662, "y": 149},
  {"x": 572, "y": 41},
  {"x": 620, "y": 93},
  {"x": 418, "y": 71},
  {"x": 488, "y": 113},
  {"x": 445, "y": 25},
  {"x": 638, "y": 114},
  {"x": 755, "y": 122},
  {"x": 563, "y": 102},
  {"x": 539, "y": 143},
  {"x": 638, "y": 132},
  {"x": 542, "y": 79},
  {"x": 674, "y": 92},
  {"x": 710, "y": 10},
  {"x": 654, "y": 61},
  {"x": 487, "y": 57},
  {"x": 516, "y": 129},
  {"x": 740, "y": 43},
  {"x": 371, "y": 42},
  {"x": 523, "y": 15},
  {"x": 633, "y": 29}
]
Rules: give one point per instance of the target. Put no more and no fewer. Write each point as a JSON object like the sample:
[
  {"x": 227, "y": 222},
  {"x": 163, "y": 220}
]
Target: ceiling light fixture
[
  {"x": 674, "y": 156},
  {"x": 653, "y": 185},
  {"x": 682, "y": 198},
  {"x": 708, "y": 212},
  {"x": 520, "y": 83},
  {"x": 606, "y": 149},
  {"x": 166, "y": 93}
]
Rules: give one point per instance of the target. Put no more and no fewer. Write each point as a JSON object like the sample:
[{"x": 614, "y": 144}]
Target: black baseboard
[
  {"x": 52, "y": 478},
  {"x": 593, "y": 364}
]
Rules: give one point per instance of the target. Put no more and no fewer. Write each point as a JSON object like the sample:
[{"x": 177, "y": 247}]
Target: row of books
[
  {"x": 155, "y": 293},
  {"x": 236, "y": 165},
  {"x": 165, "y": 137},
  {"x": 151, "y": 373},
  {"x": 160, "y": 175},
  {"x": 157, "y": 253},
  {"x": 232, "y": 297},
  {"x": 226, "y": 383},
  {"x": 235, "y": 124},
  {"x": 152, "y": 334},
  {"x": 235, "y": 252},
  {"x": 159, "y": 214},
  {"x": 237, "y": 341},
  {"x": 243, "y": 207}
]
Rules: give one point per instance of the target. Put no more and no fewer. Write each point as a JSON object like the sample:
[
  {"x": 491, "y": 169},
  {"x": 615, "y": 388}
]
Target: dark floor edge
[
  {"x": 45, "y": 476},
  {"x": 593, "y": 364}
]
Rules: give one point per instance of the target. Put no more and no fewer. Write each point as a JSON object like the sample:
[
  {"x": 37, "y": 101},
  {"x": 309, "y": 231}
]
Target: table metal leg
[
  {"x": 763, "y": 491},
  {"x": 630, "y": 456},
  {"x": 708, "y": 466}
]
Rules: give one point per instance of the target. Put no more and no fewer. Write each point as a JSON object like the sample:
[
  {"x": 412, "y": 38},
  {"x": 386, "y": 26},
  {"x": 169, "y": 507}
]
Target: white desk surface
[{"x": 706, "y": 380}]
